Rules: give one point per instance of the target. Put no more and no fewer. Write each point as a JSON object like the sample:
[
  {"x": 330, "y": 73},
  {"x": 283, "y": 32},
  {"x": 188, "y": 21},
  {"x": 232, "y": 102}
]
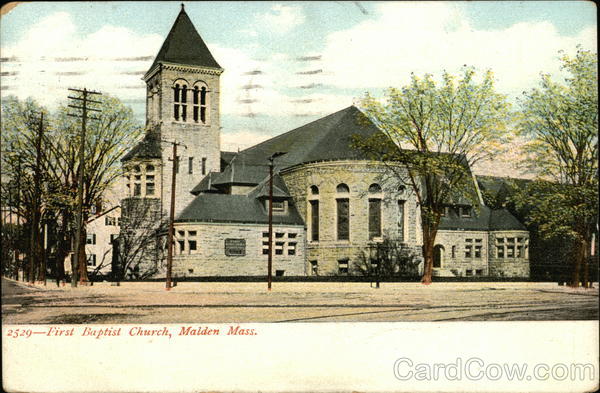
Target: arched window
[
  {"x": 374, "y": 188},
  {"x": 342, "y": 188},
  {"x": 203, "y": 105},
  {"x": 314, "y": 214},
  {"x": 149, "y": 168},
  {"x": 374, "y": 211},
  {"x": 183, "y": 102},
  {"x": 195, "y": 103},
  {"x": 200, "y": 102},
  {"x": 176, "y": 101},
  {"x": 343, "y": 212}
]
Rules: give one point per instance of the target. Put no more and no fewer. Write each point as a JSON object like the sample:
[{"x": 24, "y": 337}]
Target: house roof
[
  {"x": 184, "y": 45},
  {"x": 235, "y": 209},
  {"x": 149, "y": 147}
]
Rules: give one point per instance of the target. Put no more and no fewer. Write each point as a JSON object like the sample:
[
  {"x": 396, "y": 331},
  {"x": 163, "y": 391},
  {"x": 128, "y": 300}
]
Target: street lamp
[{"x": 270, "y": 261}]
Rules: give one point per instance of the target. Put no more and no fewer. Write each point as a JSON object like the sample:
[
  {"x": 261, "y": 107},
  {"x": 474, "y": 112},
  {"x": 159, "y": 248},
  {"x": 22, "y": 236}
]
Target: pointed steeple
[{"x": 184, "y": 45}]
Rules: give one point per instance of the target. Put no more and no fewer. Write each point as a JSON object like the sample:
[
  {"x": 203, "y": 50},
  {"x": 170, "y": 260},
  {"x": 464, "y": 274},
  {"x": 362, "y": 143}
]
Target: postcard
[{"x": 299, "y": 196}]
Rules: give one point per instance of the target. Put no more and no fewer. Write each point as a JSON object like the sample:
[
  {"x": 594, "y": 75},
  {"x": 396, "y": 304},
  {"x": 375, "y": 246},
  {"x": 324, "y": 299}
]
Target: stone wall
[
  {"x": 358, "y": 176},
  {"x": 509, "y": 266},
  {"x": 210, "y": 259},
  {"x": 455, "y": 261}
]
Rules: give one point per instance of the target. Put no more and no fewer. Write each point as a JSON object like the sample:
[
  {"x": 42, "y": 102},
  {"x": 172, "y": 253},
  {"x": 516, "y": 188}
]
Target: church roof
[
  {"x": 184, "y": 45},
  {"x": 280, "y": 190},
  {"x": 328, "y": 138},
  {"x": 235, "y": 209},
  {"x": 149, "y": 147},
  {"x": 485, "y": 219}
]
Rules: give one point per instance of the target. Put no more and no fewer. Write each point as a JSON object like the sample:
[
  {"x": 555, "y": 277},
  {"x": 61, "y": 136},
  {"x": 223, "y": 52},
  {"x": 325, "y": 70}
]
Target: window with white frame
[
  {"x": 91, "y": 260},
  {"x": 90, "y": 238}
]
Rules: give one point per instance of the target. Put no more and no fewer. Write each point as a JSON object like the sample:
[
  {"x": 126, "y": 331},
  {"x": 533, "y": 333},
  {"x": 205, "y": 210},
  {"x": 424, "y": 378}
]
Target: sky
[{"x": 286, "y": 63}]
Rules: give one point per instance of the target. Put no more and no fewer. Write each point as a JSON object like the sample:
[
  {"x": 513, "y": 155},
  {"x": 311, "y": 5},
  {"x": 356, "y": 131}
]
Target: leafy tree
[
  {"x": 107, "y": 139},
  {"x": 23, "y": 185},
  {"x": 436, "y": 131},
  {"x": 388, "y": 259},
  {"x": 560, "y": 121}
]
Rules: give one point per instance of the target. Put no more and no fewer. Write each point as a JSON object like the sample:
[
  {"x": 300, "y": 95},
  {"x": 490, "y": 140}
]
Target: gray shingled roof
[
  {"x": 239, "y": 173},
  {"x": 502, "y": 219},
  {"x": 226, "y": 157},
  {"x": 280, "y": 190},
  {"x": 483, "y": 220},
  {"x": 184, "y": 45},
  {"x": 206, "y": 184},
  {"x": 328, "y": 138},
  {"x": 149, "y": 147},
  {"x": 234, "y": 209}
]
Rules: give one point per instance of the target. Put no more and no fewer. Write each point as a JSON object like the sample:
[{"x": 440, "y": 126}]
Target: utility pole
[
  {"x": 85, "y": 100},
  {"x": 270, "y": 260},
  {"x": 172, "y": 218},
  {"x": 35, "y": 219}
]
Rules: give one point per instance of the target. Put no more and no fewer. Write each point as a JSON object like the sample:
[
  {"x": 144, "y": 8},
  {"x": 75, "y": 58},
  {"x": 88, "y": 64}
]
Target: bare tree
[{"x": 142, "y": 241}]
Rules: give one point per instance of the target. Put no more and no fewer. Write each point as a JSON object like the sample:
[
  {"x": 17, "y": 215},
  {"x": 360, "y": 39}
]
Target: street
[{"x": 215, "y": 302}]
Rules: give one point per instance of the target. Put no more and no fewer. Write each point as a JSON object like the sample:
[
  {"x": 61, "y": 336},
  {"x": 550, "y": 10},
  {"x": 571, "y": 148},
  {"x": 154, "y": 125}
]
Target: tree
[
  {"x": 24, "y": 189},
  {"x": 388, "y": 259},
  {"x": 107, "y": 140},
  {"x": 437, "y": 132},
  {"x": 141, "y": 243},
  {"x": 560, "y": 122}
]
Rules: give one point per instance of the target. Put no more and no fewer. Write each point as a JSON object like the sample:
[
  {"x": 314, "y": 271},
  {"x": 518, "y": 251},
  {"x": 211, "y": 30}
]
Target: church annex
[{"x": 331, "y": 204}]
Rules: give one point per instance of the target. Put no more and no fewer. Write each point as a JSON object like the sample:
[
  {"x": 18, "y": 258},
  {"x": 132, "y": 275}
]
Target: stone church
[{"x": 331, "y": 204}]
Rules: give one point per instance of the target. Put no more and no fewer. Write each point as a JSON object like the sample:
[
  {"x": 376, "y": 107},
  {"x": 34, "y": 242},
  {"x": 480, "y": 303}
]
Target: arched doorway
[{"x": 438, "y": 255}]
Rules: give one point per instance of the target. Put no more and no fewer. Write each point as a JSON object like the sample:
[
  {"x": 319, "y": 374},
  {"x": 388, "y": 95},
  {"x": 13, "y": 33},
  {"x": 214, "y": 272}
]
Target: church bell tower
[{"x": 182, "y": 105}]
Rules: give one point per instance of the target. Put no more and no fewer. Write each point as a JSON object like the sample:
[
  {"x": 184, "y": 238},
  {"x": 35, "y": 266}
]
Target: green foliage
[
  {"x": 388, "y": 259},
  {"x": 55, "y": 187},
  {"x": 560, "y": 121},
  {"x": 437, "y": 131}
]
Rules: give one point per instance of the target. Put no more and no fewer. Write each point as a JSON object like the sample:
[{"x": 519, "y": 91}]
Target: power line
[{"x": 85, "y": 100}]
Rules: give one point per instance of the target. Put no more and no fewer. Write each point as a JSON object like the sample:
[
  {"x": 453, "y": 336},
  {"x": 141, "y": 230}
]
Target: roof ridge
[
  {"x": 324, "y": 134},
  {"x": 297, "y": 128}
]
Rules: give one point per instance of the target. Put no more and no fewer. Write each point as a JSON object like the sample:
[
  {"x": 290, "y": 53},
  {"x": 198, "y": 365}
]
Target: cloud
[
  {"x": 281, "y": 18},
  {"x": 52, "y": 56},
  {"x": 429, "y": 37}
]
